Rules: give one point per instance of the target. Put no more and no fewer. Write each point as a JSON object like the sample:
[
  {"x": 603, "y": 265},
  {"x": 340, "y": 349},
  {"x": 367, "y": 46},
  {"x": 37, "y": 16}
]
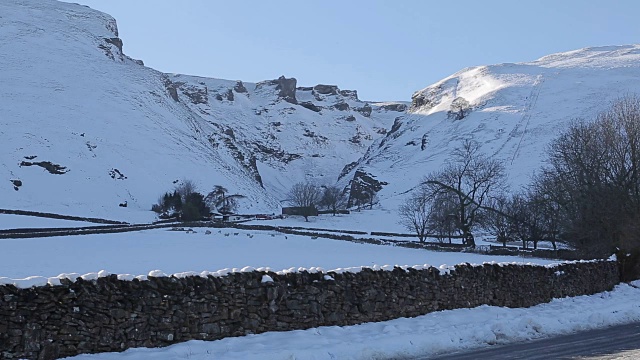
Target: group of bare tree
[
  {"x": 587, "y": 194},
  {"x": 593, "y": 177},
  {"x": 455, "y": 197},
  {"x": 307, "y": 197}
]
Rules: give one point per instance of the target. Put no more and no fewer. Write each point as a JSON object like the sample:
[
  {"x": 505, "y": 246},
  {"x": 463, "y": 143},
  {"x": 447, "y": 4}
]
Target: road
[{"x": 618, "y": 342}]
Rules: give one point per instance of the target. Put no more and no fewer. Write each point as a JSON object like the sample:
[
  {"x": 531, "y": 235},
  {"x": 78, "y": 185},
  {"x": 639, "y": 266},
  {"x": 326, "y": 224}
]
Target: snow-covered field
[
  {"x": 138, "y": 253},
  {"x": 379, "y": 219},
  {"x": 440, "y": 332},
  {"x": 9, "y": 221}
]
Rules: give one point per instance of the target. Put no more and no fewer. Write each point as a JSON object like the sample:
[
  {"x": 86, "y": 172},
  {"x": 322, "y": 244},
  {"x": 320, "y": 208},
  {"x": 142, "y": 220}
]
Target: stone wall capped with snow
[{"x": 107, "y": 314}]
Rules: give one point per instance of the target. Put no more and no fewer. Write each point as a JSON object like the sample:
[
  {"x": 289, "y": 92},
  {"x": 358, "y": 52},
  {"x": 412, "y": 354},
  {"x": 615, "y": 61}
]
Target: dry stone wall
[{"x": 108, "y": 314}]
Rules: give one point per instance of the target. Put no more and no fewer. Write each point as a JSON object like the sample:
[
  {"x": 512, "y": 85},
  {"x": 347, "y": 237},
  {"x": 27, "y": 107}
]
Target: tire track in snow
[
  {"x": 532, "y": 100},
  {"x": 532, "y": 103}
]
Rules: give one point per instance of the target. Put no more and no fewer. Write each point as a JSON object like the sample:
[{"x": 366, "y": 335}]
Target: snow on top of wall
[{"x": 35, "y": 281}]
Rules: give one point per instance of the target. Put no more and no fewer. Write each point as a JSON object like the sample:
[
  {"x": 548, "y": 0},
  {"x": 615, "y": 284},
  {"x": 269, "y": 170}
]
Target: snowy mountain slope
[
  {"x": 516, "y": 110},
  {"x": 69, "y": 97},
  {"x": 85, "y": 128},
  {"x": 286, "y": 133}
]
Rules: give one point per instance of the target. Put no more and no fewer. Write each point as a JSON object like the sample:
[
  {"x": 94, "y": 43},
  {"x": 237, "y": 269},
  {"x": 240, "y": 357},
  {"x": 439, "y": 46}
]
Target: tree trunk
[{"x": 468, "y": 237}]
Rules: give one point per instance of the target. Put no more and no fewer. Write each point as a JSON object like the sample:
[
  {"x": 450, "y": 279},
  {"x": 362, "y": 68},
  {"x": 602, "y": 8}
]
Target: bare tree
[
  {"x": 497, "y": 220},
  {"x": 443, "y": 220},
  {"x": 332, "y": 198},
  {"x": 415, "y": 213},
  {"x": 186, "y": 188},
  {"x": 471, "y": 178},
  {"x": 305, "y": 196},
  {"x": 525, "y": 221},
  {"x": 549, "y": 207}
]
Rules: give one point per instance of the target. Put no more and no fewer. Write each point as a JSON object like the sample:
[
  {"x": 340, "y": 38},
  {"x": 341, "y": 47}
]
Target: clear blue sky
[{"x": 384, "y": 49}]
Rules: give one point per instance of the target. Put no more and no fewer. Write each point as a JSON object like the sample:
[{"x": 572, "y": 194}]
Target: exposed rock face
[
  {"x": 397, "y": 123},
  {"x": 365, "y": 110},
  {"x": 287, "y": 89},
  {"x": 47, "y": 165},
  {"x": 363, "y": 189},
  {"x": 311, "y": 106},
  {"x": 172, "y": 88},
  {"x": 108, "y": 48},
  {"x": 420, "y": 100},
  {"x": 245, "y": 158},
  {"x": 197, "y": 94},
  {"x": 394, "y": 107},
  {"x": 230, "y": 95},
  {"x": 342, "y": 106},
  {"x": 16, "y": 184},
  {"x": 239, "y": 87},
  {"x": 266, "y": 153},
  {"x": 326, "y": 89},
  {"x": 347, "y": 169},
  {"x": 117, "y": 42},
  {"x": 352, "y": 94},
  {"x": 107, "y": 314}
]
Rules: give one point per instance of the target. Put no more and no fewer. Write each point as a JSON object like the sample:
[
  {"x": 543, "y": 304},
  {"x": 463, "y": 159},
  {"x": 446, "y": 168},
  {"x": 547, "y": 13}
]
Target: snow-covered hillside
[
  {"x": 515, "y": 111},
  {"x": 283, "y": 133},
  {"x": 85, "y": 128}
]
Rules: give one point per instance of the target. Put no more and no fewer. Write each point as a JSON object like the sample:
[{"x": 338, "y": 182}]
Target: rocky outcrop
[
  {"x": 286, "y": 88},
  {"x": 112, "y": 48},
  {"x": 311, "y": 106},
  {"x": 351, "y": 94},
  {"x": 418, "y": 100},
  {"x": 117, "y": 42},
  {"x": 363, "y": 189},
  {"x": 172, "y": 88},
  {"x": 267, "y": 154},
  {"x": 341, "y": 106},
  {"x": 245, "y": 157},
  {"x": 400, "y": 107},
  {"x": 326, "y": 89},
  {"x": 16, "y": 184},
  {"x": 239, "y": 87},
  {"x": 364, "y": 110},
  {"x": 347, "y": 169},
  {"x": 197, "y": 94},
  {"x": 109, "y": 314},
  {"x": 47, "y": 165}
]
